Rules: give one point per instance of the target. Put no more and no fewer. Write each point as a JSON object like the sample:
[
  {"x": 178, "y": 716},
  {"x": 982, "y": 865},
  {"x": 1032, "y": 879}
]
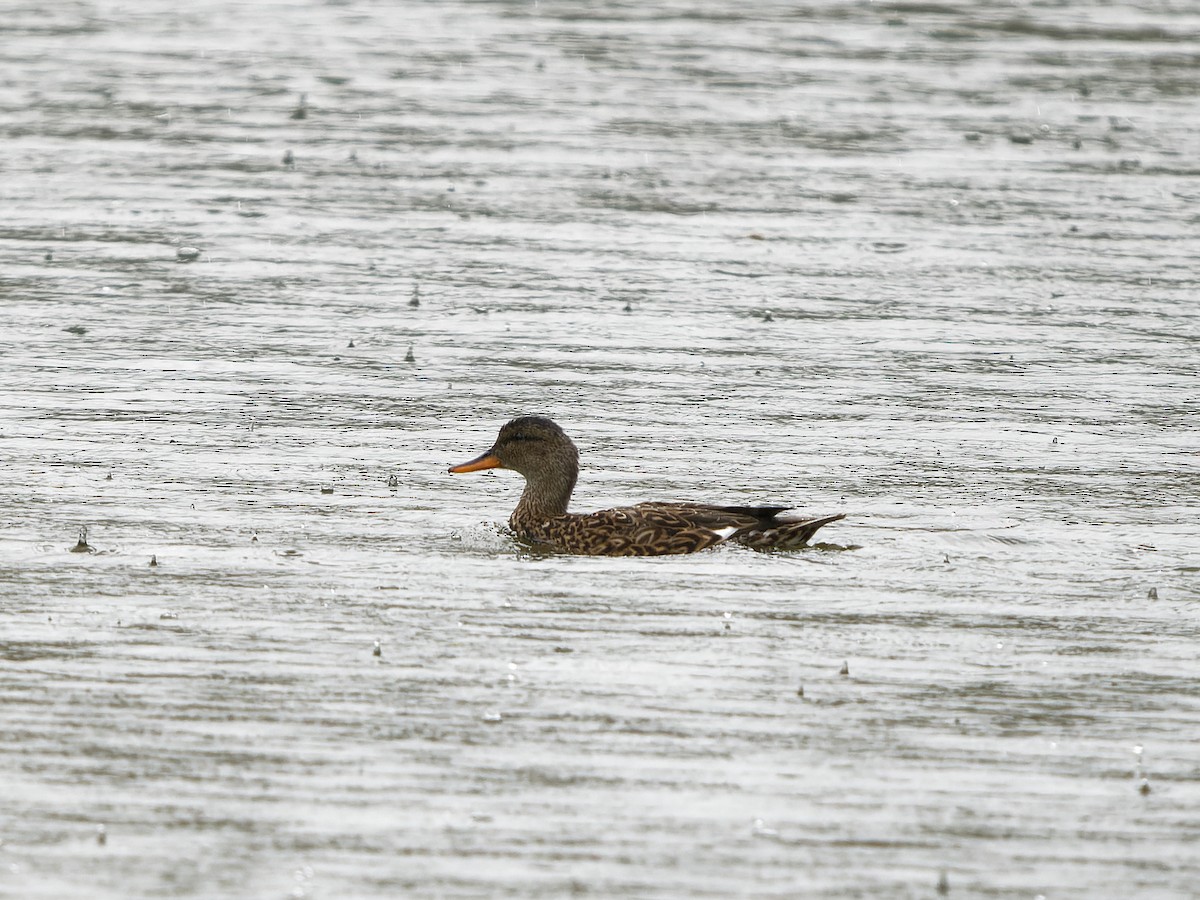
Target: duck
[{"x": 538, "y": 448}]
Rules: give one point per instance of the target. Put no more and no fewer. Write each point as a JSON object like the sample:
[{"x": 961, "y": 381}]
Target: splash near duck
[{"x": 540, "y": 450}]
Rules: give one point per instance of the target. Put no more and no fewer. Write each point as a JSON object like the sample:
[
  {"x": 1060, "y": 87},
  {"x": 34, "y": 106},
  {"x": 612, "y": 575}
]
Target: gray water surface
[{"x": 933, "y": 265}]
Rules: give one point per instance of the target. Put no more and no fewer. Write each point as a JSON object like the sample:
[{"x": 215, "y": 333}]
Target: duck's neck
[{"x": 546, "y": 495}]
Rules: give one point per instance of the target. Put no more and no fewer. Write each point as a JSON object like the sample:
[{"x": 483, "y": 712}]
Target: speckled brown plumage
[{"x": 541, "y": 451}]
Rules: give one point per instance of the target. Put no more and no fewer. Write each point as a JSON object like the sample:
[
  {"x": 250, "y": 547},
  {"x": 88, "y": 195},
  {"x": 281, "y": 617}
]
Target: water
[{"x": 932, "y": 265}]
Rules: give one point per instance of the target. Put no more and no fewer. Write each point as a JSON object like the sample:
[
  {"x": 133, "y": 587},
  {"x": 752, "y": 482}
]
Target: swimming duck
[{"x": 540, "y": 450}]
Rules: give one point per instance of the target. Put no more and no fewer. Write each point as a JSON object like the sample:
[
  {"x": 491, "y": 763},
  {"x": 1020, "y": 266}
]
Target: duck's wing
[
  {"x": 759, "y": 527},
  {"x": 648, "y": 529},
  {"x": 763, "y": 514},
  {"x": 662, "y": 529}
]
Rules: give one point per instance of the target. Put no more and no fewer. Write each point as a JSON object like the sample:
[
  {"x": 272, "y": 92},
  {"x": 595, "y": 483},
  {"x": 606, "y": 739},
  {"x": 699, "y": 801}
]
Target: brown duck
[{"x": 541, "y": 451}]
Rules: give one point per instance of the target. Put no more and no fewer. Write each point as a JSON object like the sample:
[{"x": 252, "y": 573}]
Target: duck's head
[{"x": 532, "y": 445}]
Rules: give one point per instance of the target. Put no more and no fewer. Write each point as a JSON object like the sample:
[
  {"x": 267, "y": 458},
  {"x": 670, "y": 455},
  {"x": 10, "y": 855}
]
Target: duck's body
[{"x": 540, "y": 450}]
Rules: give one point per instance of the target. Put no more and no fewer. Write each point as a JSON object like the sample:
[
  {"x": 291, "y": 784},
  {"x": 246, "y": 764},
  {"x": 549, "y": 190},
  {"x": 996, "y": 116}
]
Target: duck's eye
[{"x": 521, "y": 436}]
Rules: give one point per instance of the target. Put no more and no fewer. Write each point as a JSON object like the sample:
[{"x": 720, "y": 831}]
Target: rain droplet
[{"x": 760, "y": 829}]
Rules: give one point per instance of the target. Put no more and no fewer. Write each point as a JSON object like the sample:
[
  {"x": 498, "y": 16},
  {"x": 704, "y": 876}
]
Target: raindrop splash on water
[{"x": 82, "y": 545}]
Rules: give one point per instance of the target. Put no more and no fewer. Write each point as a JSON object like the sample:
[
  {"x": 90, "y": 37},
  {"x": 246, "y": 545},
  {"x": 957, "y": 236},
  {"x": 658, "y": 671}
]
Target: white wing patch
[{"x": 725, "y": 533}]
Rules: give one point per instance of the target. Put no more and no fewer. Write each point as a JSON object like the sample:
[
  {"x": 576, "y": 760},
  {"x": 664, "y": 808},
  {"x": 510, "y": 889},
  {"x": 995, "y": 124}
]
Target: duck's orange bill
[{"x": 489, "y": 460}]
